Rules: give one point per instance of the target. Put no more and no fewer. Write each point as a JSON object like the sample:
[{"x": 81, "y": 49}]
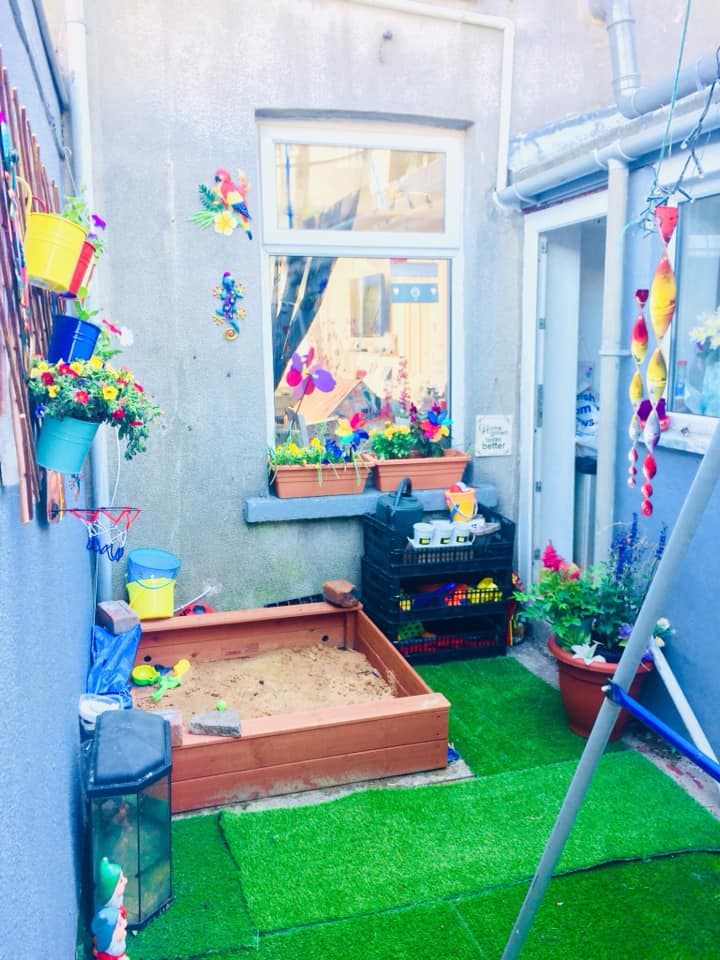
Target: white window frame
[
  {"x": 446, "y": 245},
  {"x": 689, "y": 431}
]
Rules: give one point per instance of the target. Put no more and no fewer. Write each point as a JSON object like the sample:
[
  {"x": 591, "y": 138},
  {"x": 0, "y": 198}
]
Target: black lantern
[{"x": 129, "y": 796}]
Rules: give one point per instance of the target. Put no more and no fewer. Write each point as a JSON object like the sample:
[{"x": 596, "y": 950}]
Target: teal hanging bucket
[{"x": 63, "y": 444}]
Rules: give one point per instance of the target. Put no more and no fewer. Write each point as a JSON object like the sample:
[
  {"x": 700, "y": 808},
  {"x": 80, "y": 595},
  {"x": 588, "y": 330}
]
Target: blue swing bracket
[{"x": 618, "y": 696}]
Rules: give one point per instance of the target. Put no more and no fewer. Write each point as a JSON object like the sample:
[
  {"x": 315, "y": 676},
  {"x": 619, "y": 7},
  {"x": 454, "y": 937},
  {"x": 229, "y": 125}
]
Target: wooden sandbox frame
[{"x": 288, "y": 753}]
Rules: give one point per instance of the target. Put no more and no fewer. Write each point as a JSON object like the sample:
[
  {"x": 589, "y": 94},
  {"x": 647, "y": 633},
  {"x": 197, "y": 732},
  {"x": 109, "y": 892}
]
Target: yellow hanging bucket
[
  {"x": 52, "y": 247},
  {"x": 152, "y": 599},
  {"x": 461, "y": 504}
]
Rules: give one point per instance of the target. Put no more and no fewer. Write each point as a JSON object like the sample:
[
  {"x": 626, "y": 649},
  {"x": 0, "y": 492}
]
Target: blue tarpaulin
[{"x": 112, "y": 658}]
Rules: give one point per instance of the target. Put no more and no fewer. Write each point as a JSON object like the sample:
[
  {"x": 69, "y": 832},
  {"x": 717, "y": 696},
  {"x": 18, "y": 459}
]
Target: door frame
[{"x": 536, "y": 225}]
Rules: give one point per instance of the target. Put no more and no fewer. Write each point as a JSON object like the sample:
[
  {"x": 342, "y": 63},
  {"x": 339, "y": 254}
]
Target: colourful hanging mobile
[
  {"x": 229, "y": 293},
  {"x": 224, "y": 205},
  {"x": 661, "y": 308},
  {"x": 638, "y": 349}
]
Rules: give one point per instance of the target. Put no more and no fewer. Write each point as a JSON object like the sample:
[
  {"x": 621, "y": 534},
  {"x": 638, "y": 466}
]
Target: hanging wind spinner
[
  {"x": 638, "y": 349},
  {"x": 661, "y": 308}
]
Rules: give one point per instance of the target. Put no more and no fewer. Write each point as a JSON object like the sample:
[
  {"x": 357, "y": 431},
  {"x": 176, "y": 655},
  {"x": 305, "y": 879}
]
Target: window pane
[
  {"x": 359, "y": 188},
  {"x": 380, "y": 327},
  {"x": 697, "y": 337}
]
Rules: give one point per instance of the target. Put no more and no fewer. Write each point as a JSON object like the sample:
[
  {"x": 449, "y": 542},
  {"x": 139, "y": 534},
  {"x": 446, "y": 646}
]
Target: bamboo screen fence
[{"x": 25, "y": 312}]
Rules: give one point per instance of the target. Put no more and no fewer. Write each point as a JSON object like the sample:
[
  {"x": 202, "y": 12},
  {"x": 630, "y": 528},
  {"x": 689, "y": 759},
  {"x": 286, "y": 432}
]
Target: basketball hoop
[{"x": 107, "y": 529}]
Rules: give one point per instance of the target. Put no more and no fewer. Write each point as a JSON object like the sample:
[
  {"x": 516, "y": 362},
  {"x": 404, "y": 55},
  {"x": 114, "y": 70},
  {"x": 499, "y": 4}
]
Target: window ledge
[
  {"x": 272, "y": 509},
  {"x": 688, "y": 433}
]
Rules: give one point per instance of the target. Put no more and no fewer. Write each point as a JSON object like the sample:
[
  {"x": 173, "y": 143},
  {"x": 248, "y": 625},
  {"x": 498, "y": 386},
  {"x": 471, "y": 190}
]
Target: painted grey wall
[
  {"x": 46, "y": 609},
  {"x": 172, "y": 98}
]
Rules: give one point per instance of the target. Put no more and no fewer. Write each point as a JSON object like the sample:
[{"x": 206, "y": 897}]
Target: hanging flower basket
[
  {"x": 71, "y": 338},
  {"x": 314, "y": 480},
  {"x": 64, "y": 444},
  {"x": 425, "y": 473}
]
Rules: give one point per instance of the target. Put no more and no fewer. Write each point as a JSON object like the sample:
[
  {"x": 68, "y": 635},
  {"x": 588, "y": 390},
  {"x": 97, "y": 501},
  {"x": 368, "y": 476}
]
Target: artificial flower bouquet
[
  {"x": 96, "y": 391},
  {"x": 426, "y": 435}
]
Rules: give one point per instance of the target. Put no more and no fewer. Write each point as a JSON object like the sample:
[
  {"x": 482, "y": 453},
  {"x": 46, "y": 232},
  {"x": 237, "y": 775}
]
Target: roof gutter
[{"x": 633, "y": 101}]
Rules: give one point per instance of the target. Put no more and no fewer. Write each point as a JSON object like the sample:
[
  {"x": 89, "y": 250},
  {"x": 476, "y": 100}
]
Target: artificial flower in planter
[
  {"x": 88, "y": 393},
  {"x": 591, "y": 613},
  {"x": 418, "y": 450},
  {"x": 326, "y": 465}
]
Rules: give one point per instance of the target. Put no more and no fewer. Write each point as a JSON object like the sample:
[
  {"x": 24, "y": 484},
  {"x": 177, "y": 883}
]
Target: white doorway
[{"x": 562, "y": 319}]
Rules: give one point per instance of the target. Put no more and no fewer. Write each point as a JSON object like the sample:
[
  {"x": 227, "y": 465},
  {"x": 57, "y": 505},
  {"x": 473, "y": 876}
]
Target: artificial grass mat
[
  {"x": 380, "y": 849},
  {"x": 503, "y": 717},
  {"x": 208, "y": 913},
  {"x": 439, "y": 873}
]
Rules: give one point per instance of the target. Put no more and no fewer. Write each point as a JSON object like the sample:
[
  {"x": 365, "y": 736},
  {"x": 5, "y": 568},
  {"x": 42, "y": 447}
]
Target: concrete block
[
  {"x": 216, "y": 723},
  {"x": 174, "y": 718},
  {"x": 115, "y": 616}
]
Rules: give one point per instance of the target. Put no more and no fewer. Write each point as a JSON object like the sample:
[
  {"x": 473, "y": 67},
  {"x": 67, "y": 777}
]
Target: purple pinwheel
[{"x": 304, "y": 376}]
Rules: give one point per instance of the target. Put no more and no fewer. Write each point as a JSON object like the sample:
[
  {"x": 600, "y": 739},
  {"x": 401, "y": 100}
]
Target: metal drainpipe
[
  {"x": 633, "y": 100},
  {"x": 82, "y": 169},
  {"x": 611, "y": 350}
]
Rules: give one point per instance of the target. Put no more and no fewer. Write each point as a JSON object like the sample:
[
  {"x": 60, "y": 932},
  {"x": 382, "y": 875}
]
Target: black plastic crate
[
  {"x": 485, "y": 637},
  {"x": 462, "y": 596},
  {"x": 386, "y": 549}
]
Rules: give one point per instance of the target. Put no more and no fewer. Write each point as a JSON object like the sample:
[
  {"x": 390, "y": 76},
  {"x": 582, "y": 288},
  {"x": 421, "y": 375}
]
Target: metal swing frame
[{"x": 668, "y": 569}]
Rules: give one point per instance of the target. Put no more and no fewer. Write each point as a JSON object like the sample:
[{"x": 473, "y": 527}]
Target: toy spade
[{"x": 171, "y": 680}]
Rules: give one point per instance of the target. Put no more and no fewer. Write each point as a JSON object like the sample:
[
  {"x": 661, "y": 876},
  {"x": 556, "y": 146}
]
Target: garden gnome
[
  {"x": 110, "y": 886},
  {"x": 109, "y": 934}
]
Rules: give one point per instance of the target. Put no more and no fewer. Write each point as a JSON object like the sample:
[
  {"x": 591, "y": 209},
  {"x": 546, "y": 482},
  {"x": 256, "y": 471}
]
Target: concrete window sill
[{"x": 272, "y": 509}]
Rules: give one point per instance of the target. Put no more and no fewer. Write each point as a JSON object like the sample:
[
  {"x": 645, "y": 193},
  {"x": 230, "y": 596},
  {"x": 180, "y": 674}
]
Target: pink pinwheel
[{"x": 304, "y": 377}]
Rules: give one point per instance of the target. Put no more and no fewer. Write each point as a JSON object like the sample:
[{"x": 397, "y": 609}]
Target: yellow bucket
[
  {"x": 52, "y": 248},
  {"x": 152, "y": 599},
  {"x": 461, "y": 504}
]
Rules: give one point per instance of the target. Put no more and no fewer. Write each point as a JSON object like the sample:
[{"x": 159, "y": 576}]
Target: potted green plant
[
  {"x": 324, "y": 466},
  {"x": 590, "y": 614},
  {"x": 73, "y": 399},
  {"x": 419, "y": 450},
  {"x": 76, "y": 210}
]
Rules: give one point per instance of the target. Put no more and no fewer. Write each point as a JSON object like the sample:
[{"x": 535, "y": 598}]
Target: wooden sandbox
[{"x": 287, "y": 753}]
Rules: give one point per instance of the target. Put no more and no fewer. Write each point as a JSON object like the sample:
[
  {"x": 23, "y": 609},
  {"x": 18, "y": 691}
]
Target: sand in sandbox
[{"x": 279, "y": 681}]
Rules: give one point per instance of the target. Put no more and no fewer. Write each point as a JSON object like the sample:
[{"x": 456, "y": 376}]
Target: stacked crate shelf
[{"x": 431, "y": 601}]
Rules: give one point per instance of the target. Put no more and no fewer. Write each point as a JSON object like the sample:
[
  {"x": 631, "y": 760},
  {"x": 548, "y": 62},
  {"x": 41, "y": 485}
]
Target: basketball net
[{"x": 107, "y": 529}]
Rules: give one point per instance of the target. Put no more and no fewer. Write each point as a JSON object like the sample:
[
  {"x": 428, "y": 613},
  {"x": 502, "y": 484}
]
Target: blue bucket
[
  {"x": 71, "y": 339},
  {"x": 148, "y": 563},
  {"x": 63, "y": 444}
]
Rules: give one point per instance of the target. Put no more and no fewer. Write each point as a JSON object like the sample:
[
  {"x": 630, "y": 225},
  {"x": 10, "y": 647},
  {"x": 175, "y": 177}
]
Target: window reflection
[
  {"x": 380, "y": 326},
  {"x": 321, "y": 187},
  {"x": 696, "y": 387}
]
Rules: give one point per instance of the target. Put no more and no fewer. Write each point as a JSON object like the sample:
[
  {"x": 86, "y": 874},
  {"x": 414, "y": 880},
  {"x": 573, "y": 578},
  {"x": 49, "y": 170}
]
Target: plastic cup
[
  {"x": 443, "y": 533},
  {"x": 463, "y": 535},
  {"x": 422, "y": 534}
]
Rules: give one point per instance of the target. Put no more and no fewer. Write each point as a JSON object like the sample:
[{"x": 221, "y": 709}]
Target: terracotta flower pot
[
  {"x": 425, "y": 473},
  {"x": 581, "y": 689},
  {"x": 306, "y": 480}
]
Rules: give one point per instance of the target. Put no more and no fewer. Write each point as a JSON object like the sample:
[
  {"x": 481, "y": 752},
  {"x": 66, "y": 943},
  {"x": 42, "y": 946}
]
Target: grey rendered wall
[
  {"x": 174, "y": 90},
  {"x": 46, "y": 609}
]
